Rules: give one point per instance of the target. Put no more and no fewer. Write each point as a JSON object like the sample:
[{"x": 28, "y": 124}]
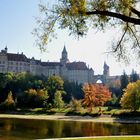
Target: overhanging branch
[
  {"x": 115, "y": 15},
  {"x": 135, "y": 11}
]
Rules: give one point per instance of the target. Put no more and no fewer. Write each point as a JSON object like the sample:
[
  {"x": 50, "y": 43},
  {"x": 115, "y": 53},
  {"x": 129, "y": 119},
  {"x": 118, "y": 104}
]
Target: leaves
[
  {"x": 78, "y": 16},
  {"x": 95, "y": 95},
  {"x": 131, "y": 97}
]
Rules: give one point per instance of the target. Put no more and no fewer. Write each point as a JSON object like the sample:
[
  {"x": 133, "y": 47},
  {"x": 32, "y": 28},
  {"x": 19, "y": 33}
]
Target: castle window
[{"x": 11, "y": 63}]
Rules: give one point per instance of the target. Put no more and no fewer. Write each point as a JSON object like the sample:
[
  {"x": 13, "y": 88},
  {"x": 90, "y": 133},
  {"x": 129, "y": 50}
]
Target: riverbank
[
  {"x": 103, "y": 138},
  {"x": 102, "y": 118}
]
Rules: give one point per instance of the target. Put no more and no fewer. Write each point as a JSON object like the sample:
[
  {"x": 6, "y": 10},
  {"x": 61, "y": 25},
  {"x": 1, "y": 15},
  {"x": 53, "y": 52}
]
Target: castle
[{"x": 72, "y": 71}]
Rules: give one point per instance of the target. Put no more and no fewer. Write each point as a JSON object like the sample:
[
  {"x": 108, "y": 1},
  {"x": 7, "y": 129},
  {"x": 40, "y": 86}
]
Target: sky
[{"x": 17, "y": 21}]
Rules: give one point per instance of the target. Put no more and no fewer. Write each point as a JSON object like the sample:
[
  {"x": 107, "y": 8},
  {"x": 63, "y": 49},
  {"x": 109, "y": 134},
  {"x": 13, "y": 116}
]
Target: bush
[
  {"x": 126, "y": 114},
  {"x": 75, "y": 105}
]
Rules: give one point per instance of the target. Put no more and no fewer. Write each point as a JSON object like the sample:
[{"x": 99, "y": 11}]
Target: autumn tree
[
  {"x": 95, "y": 95},
  {"x": 79, "y": 16},
  {"x": 9, "y": 103},
  {"x": 131, "y": 96}
]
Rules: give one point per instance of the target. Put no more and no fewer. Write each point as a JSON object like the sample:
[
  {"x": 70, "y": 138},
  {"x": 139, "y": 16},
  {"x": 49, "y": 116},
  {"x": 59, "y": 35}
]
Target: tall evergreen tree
[
  {"x": 134, "y": 76},
  {"x": 124, "y": 81}
]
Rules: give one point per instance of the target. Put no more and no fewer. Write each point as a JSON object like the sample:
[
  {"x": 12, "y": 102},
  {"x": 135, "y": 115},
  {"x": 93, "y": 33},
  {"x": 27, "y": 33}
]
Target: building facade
[{"x": 72, "y": 71}]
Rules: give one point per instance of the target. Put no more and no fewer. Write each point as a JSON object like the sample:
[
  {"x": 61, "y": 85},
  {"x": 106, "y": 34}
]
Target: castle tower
[
  {"x": 106, "y": 73},
  {"x": 6, "y": 49},
  {"x": 64, "y": 57}
]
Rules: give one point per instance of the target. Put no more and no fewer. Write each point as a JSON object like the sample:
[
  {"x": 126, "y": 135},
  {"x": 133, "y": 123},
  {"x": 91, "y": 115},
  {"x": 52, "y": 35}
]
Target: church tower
[{"x": 64, "y": 57}]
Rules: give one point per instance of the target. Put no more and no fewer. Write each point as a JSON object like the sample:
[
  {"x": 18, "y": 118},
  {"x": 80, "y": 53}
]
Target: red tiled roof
[{"x": 76, "y": 66}]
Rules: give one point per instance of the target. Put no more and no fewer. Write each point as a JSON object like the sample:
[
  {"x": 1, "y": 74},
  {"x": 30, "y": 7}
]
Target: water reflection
[{"x": 39, "y": 129}]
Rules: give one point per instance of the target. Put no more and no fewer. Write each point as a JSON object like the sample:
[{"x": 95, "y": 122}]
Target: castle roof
[
  {"x": 76, "y": 66},
  {"x": 50, "y": 64},
  {"x": 16, "y": 57}
]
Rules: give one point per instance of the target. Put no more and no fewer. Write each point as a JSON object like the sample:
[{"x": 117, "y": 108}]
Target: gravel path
[{"x": 104, "y": 118}]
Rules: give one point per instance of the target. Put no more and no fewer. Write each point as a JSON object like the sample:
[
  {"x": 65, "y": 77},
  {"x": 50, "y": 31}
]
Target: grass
[{"x": 107, "y": 138}]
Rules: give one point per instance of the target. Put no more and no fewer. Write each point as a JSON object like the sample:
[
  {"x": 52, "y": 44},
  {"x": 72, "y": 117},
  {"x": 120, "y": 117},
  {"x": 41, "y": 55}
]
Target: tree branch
[
  {"x": 119, "y": 43},
  {"x": 138, "y": 43},
  {"x": 135, "y": 11},
  {"x": 115, "y": 15}
]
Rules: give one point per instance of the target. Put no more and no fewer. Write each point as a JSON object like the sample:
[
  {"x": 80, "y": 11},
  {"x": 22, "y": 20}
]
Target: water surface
[{"x": 14, "y": 129}]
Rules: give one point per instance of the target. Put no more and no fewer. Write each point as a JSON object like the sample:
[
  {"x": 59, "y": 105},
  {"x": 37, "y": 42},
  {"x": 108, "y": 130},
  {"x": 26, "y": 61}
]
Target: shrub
[{"x": 75, "y": 104}]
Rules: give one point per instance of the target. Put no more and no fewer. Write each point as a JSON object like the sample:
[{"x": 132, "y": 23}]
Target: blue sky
[{"x": 17, "y": 20}]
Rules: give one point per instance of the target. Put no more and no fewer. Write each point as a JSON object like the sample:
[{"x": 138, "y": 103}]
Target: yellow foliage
[
  {"x": 131, "y": 96},
  {"x": 78, "y": 6}
]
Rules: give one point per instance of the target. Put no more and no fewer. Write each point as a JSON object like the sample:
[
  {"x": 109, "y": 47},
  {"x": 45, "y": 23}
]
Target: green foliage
[
  {"x": 8, "y": 104},
  {"x": 124, "y": 81},
  {"x": 58, "y": 101},
  {"x": 80, "y": 16},
  {"x": 134, "y": 76},
  {"x": 53, "y": 84},
  {"x": 33, "y": 98},
  {"x": 72, "y": 90},
  {"x": 131, "y": 97}
]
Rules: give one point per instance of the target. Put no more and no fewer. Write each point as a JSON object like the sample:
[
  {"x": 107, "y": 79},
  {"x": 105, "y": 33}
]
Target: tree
[
  {"x": 72, "y": 90},
  {"x": 95, "y": 95},
  {"x": 78, "y": 15},
  {"x": 134, "y": 76},
  {"x": 131, "y": 96},
  {"x": 9, "y": 103},
  {"x": 75, "y": 104},
  {"x": 124, "y": 81},
  {"x": 53, "y": 84},
  {"x": 58, "y": 101},
  {"x": 32, "y": 98},
  {"x": 41, "y": 97}
]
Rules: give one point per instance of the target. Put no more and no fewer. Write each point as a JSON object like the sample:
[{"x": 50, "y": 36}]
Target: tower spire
[
  {"x": 64, "y": 49},
  {"x": 64, "y": 58}
]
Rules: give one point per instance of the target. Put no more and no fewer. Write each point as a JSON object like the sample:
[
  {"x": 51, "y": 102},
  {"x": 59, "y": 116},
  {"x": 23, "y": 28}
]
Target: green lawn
[{"x": 106, "y": 138}]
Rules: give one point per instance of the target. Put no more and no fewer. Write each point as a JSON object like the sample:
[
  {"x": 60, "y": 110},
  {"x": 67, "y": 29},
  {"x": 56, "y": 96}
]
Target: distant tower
[
  {"x": 106, "y": 72},
  {"x": 64, "y": 57},
  {"x": 6, "y": 49}
]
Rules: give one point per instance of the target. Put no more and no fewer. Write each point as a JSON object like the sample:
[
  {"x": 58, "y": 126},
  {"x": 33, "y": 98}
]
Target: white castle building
[{"x": 72, "y": 71}]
